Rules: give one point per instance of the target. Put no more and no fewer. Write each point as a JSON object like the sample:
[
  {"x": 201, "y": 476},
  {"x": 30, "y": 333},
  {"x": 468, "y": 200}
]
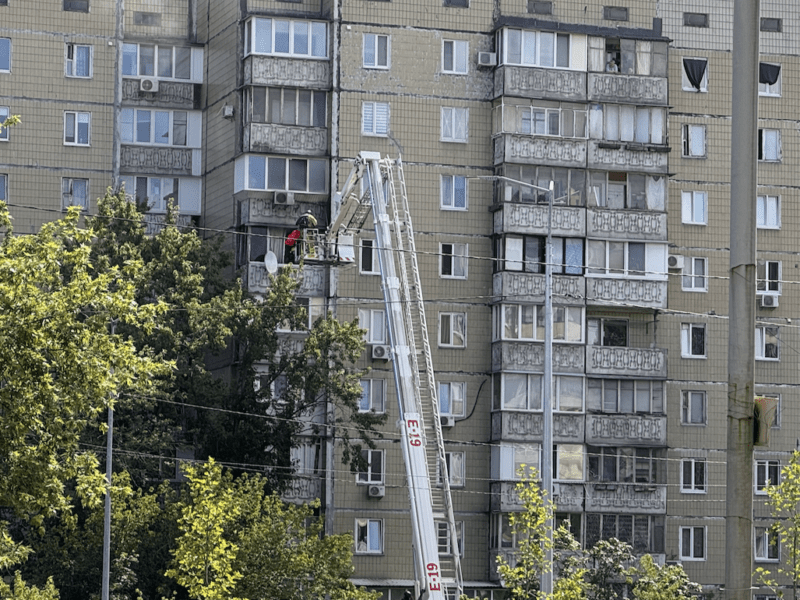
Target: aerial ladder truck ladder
[{"x": 377, "y": 185}]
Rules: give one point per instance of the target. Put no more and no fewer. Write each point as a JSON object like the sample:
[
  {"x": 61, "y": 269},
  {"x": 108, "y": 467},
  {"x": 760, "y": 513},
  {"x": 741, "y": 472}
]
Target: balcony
[
  {"x": 627, "y": 156},
  {"x": 540, "y": 150},
  {"x": 172, "y": 94},
  {"x": 529, "y": 287},
  {"x": 626, "y": 225},
  {"x": 626, "y": 430},
  {"x": 627, "y": 89},
  {"x": 154, "y": 222},
  {"x": 568, "y": 497},
  {"x": 626, "y": 497},
  {"x": 529, "y": 426},
  {"x": 568, "y": 221},
  {"x": 285, "y": 139},
  {"x": 611, "y": 291},
  {"x": 287, "y": 72},
  {"x": 161, "y": 161},
  {"x": 626, "y": 362},
  {"x": 262, "y": 210},
  {"x": 529, "y": 357},
  {"x": 312, "y": 279},
  {"x": 532, "y": 82},
  {"x": 302, "y": 489}
]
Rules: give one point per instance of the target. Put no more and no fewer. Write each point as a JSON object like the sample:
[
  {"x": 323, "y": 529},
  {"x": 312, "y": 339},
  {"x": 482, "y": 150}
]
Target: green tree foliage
[{"x": 653, "y": 582}]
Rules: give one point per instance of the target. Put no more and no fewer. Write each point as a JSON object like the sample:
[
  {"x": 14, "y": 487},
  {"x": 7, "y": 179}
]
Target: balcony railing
[
  {"x": 629, "y": 89},
  {"x": 539, "y": 150},
  {"x": 529, "y": 357},
  {"x": 312, "y": 279},
  {"x": 529, "y": 287},
  {"x": 264, "y": 211},
  {"x": 610, "y": 291},
  {"x": 626, "y": 362},
  {"x": 626, "y": 497},
  {"x": 532, "y": 82},
  {"x": 568, "y": 221},
  {"x": 510, "y": 425},
  {"x": 173, "y": 94},
  {"x": 626, "y": 225},
  {"x": 154, "y": 222},
  {"x": 285, "y": 139},
  {"x": 287, "y": 72},
  {"x": 161, "y": 161},
  {"x": 303, "y": 488},
  {"x": 626, "y": 430},
  {"x": 568, "y": 496},
  {"x": 628, "y": 156}
]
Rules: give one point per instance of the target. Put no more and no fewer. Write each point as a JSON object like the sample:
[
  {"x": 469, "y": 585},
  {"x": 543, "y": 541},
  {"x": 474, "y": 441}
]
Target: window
[
  {"x": 771, "y": 24},
  {"x": 306, "y": 39},
  {"x": 3, "y": 187},
  {"x": 693, "y": 543},
  {"x": 453, "y": 260},
  {"x": 76, "y": 128},
  {"x": 453, "y": 192},
  {"x": 768, "y": 274},
  {"x": 631, "y": 57},
  {"x": 694, "y": 275},
  {"x": 616, "y": 258},
  {"x": 74, "y": 192},
  {"x": 375, "y": 118},
  {"x": 693, "y": 340},
  {"x": 624, "y": 465},
  {"x": 768, "y": 212},
  {"x": 769, "y": 79},
  {"x": 147, "y": 19},
  {"x": 369, "y": 536},
  {"x": 693, "y": 476},
  {"x": 518, "y": 391},
  {"x": 5, "y": 55},
  {"x": 694, "y": 208},
  {"x": 693, "y": 408},
  {"x": 568, "y": 462},
  {"x": 288, "y": 106},
  {"x": 76, "y": 5},
  {"x": 163, "y": 127},
  {"x": 457, "y": 3},
  {"x": 454, "y": 461},
  {"x": 526, "y": 322},
  {"x": 444, "y": 540},
  {"x": 626, "y": 123},
  {"x": 562, "y": 120},
  {"x": 374, "y": 321},
  {"x": 454, "y": 56},
  {"x": 540, "y": 8},
  {"x": 374, "y": 469},
  {"x": 694, "y": 77},
  {"x": 569, "y": 185},
  {"x": 528, "y": 252},
  {"x": 78, "y": 61},
  {"x": 373, "y": 396},
  {"x": 620, "y": 191},
  {"x": 454, "y": 124},
  {"x": 768, "y": 472},
  {"x": 369, "y": 258},
  {"x": 158, "y": 60},
  {"x": 615, "y": 13},
  {"x": 644, "y": 533},
  {"x": 767, "y": 343},
  {"x": 4, "y": 114},
  {"x": 451, "y": 398},
  {"x": 607, "y": 332},
  {"x": 156, "y": 192},
  {"x": 695, "y": 19},
  {"x": 625, "y": 396},
  {"x": 536, "y": 48},
  {"x": 258, "y": 172},
  {"x": 769, "y": 145},
  {"x": 694, "y": 141},
  {"x": 767, "y": 544},
  {"x": 452, "y": 329},
  {"x": 376, "y": 51}
]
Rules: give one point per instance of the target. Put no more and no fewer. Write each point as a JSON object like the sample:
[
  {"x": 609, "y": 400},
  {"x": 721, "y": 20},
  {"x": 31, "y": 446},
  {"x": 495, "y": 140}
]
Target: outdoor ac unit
[
  {"x": 381, "y": 352},
  {"x": 487, "y": 59},
  {"x": 376, "y": 491},
  {"x": 769, "y": 301},
  {"x": 675, "y": 261},
  {"x": 285, "y": 198},
  {"x": 447, "y": 421},
  {"x": 148, "y": 84}
]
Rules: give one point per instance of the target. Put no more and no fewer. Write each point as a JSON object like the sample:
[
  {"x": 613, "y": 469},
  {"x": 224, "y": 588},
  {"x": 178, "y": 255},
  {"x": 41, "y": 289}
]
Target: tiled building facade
[{"x": 250, "y": 113}]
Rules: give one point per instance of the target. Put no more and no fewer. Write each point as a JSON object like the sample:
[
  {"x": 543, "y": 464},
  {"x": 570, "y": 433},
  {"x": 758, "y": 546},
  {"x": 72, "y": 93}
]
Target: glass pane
[
  {"x": 297, "y": 174},
  {"x": 288, "y": 113},
  {"x": 447, "y": 56},
  {"x": 616, "y": 257},
  {"x": 263, "y": 36},
  {"x": 256, "y": 172},
  {"x": 383, "y": 51},
  {"x": 126, "y": 125},
  {"x": 369, "y": 49},
  {"x": 83, "y": 128},
  {"x": 179, "y": 119},
  {"x": 610, "y": 396},
  {"x": 636, "y": 260},
  {"x": 130, "y": 59},
  {"x": 277, "y": 173},
  {"x": 594, "y": 394},
  {"x": 460, "y": 192},
  {"x": 574, "y": 257},
  {"x": 165, "y": 61},
  {"x": 183, "y": 63},
  {"x": 319, "y": 40},
  {"x": 511, "y": 322},
  {"x": 514, "y": 46},
  {"x": 320, "y": 106},
  {"x": 546, "y": 49},
  {"x": 316, "y": 176},
  {"x": 562, "y": 50},
  {"x": 570, "y": 462},
  {"x": 570, "y": 393},
  {"x": 527, "y": 319},
  {"x": 529, "y": 47},
  {"x": 535, "y": 392},
  {"x": 514, "y": 391},
  {"x": 281, "y": 36},
  {"x": 300, "y": 38},
  {"x": 626, "y": 396},
  {"x": 258, "y": 104},
  {"x": 147, "y": 58},
  {"x": 596, "y": 256},
  {"x": 274, "y": 105},
  {"x": 143, "y": 126},
  {"x": 82, "y": 54},
  {"x": 161, "y": 127}
]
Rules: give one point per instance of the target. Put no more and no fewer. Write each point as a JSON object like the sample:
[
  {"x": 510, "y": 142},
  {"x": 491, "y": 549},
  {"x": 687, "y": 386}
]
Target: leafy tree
[
  {"x": 608, "y": 560},
  {"x": 653, "y": 582}
]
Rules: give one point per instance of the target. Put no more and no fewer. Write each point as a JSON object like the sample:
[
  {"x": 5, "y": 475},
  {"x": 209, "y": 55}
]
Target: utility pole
[
  {"x": 742, "y": 294},
  {"x": 107, "y": 512}
]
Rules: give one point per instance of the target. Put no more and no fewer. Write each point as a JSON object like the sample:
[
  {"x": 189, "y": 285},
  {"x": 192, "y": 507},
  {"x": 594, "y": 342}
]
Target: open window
[{"x": 695, "y": 75}]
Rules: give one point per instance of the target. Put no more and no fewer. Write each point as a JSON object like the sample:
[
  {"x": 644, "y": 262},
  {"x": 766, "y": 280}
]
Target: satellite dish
[{"x": 271, "y": 262}]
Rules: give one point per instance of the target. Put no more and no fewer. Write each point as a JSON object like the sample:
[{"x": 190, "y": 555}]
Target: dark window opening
[
  {"x": 540, "y": 8},
  {"x": 771, "y": 24},
  {"x": 76, "y": 5},
  {"x": 615, "y": 13},
  {"x": 695, "y": 19},
  {"x": 148, "y": 19}
]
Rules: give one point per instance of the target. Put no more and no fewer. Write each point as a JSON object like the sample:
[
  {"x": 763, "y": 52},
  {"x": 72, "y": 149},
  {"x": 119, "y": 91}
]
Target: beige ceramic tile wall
[{"x": 174, "y": 19}]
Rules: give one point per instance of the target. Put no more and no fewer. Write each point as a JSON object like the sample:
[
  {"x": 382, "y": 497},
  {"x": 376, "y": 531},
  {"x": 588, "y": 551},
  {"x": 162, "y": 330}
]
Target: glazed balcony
[
  {"x": 626, "y": 430},
  {"x": 312, "y": 279},
  {"x": 302, "y": 489},
  {"x": 614, "y": 361},
  {"x": 627, "y": 156},
  {"x": 529, "y": 287},
  {"x": 627, "y": 89},
  {"x": 161, "y": 161},
  {"x": 529, "y": 357},
  {"x": 532, "y": 219},
  {"x": 287, "y": 72},
  {"x": 522, "y": 426},
  {"x": 626, "y": 225},
  {"x": 626, "y": 498},
  {"x": 285, "y": 139},
  {"x": 533, "y": 82},
  {"x": 539, "y": 150},
  {"x": 504, "y": 498},
  {"x": 613, "y": 291},
  {"x": 170, "y": 94}
]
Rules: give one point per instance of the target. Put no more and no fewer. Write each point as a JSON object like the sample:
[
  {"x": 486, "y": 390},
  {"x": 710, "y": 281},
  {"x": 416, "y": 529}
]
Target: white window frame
[
  {"x": 5, "y": 112},
  {"x": 453, "y": 119},
  {"x": 459, "y": 57},
  {"x": 372, "y": 44},
  {"x": 761, "y": 343},
  {"x": 4, "y": 187},
  {"x": 531, "y": 44},
  {"x": 158, "y": 204},
  {"x": 456, "y": 469},
  {"x": 688, "y": 399},
  {"x": 456, "y": 392},
  {"x": 768, "y": 211},
  {"x": 690, "y": 132},
  {"x": 314, "y": 29},
  {"x": 766, "y": 541},
  {"x": 262, "y": 106},
  {"x": 688, "y": 465},
  {"x": 131, "y": 116},
  {"x": 8, "y": 42},
  {"x": 561, "y": 471},
  {"x": 443, "y": 538},
  {"x": 368, "y": 526},
  {"x": 687, "y": 335},
  {"x": 373, "y": 396},
  {"x": 367, "y": 318},
  {"x": 763, "y": 133},
  {"x": 247, "y": 161},
  {"x": 372, "y": 476},
  {"x": 689, "y": 278},
  {"x": 694, "y": 208},
  {"x": 686, "y": 85},
  {"x": 368, "y": 247},
  {"x": 70, "y": 64},
  {"x": 763, "y": 471},
  {"x": 448, "y": 198},
  {"x": 774, "y": 90},
  {"x": 693, "y": 531},
  {"x": 459, "y": 260},
  {"x": 766, "y": 284},
  {"x": 373, "y": 110},
  {"x": 67, "y": 193},
  {"x": 627, "y": 123},
  {"x": 608, "y": 271},
  {"x": 127, "y": 47},
  {"x": 76, "y": 116},
  {"x": 448, "y": 337}
]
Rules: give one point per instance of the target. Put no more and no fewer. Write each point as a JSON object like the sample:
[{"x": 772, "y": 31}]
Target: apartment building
[{"x": 249, "y": 114}]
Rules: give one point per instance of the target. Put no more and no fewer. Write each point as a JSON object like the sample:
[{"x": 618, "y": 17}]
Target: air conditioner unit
[
  {"x": 769, "y": 301},
  {"x": 376, "y": 491},
  {"x": 447, "y": 420},
  {"x": 675, "y": 261},
  {"x": 285, "y": 198},
  {"x": 148, "y": 84},
  {"x": 381, "y": 352},
  {"x": 487, "y": 59}
]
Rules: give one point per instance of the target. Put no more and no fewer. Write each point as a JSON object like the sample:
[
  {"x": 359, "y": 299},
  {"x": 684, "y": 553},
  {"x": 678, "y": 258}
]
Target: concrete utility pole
[{"x": 742, "y": 309}]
